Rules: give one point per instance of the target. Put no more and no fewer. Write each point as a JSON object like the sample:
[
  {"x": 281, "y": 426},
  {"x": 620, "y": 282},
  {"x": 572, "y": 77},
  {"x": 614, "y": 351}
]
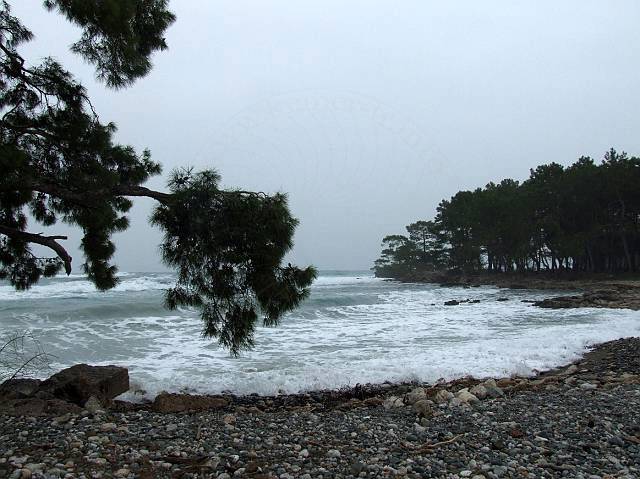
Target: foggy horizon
[{"x": 366, "y": 114}]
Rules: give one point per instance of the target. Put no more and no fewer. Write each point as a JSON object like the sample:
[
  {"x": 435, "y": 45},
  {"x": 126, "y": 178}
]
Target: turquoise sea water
[{"x": 353, "y": 329}]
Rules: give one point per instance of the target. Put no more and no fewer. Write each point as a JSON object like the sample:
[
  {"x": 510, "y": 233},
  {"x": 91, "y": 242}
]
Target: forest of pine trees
[{"x": 584, "y": 217}]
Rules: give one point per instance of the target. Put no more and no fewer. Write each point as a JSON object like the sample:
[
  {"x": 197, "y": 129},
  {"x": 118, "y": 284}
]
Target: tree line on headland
[{"x": 581, "y": 218}]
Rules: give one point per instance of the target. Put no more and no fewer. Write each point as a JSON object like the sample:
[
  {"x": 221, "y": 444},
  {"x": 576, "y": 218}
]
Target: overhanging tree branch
[
  {"x": 135, "y": 190},
  {"x": 48, "y": 241},
  {"x": 121, "y": 190},
  {"x": 60, "y": 163}
]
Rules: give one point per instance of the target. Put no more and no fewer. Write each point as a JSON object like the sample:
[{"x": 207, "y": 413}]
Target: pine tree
[
  {"x": 60, "y": 163},
  {"x": 582, "y": 218}
]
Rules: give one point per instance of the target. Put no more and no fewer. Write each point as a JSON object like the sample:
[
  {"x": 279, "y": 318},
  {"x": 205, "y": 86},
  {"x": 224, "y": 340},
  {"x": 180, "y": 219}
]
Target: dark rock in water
[
  {"x": 452, "y": 302},
  {"x": 19, "y": 388},
  {"x": 502, "y": 299},
  {"x": 168, "y": 403},
  {"x": 78, "y": 383},
  {"x": 561, "y": 302}
]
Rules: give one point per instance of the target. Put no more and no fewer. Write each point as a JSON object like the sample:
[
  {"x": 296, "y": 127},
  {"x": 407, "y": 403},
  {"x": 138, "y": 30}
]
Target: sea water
[{"x": 354, "y": 328}]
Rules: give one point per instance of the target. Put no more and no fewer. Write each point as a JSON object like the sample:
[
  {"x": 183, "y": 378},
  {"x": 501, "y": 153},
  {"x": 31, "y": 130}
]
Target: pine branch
[
  {"x": 135, "y": 190},
  {"x": 48, "y": 241},
  {"x": 121, "y": 190}
]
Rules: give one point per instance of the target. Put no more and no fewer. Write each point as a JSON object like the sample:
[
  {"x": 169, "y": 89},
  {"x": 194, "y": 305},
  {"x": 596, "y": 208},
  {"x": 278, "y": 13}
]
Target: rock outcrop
[
  {"x": 37, "y": 407},
  {"x": 65, "y": 392},
  {"x": 78, "y": 383},
  {"x": 619, "y": 296},
  {"x": 20, "y": 388}
]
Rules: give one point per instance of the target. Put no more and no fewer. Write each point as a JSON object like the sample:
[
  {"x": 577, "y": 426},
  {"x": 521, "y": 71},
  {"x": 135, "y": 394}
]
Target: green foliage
[
  {"x": 60, "y": 163},
  {"x": 585, "y": 217},
  {"x": 398, "y": 255},
  {"x": 118, "y": 36},
  {"x": 423, "y": 250},
  {"x": 227, "y": 248}
]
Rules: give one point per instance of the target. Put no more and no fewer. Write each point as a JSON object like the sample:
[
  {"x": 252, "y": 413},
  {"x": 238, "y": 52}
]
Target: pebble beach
[{"x": 579, "y": 421}]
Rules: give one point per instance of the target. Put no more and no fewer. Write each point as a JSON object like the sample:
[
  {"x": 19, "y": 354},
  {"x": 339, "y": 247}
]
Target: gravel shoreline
[
  {"x": 581, "y": 421},
  {"x": 596, "y": 291}
]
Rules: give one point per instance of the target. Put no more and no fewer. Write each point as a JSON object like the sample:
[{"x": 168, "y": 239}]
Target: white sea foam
[
  {"x": 78, "y": 286},
  {"x": 121, "y": 274},
  {"x": 384, "y": 332},
  {"x": 345, "y": 280},
  {"x": 325, "y": 365}
]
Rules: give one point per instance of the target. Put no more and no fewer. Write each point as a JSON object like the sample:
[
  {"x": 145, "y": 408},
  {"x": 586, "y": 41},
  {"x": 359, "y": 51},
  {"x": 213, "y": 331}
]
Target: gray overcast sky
[{"x": 367, "y": 113}]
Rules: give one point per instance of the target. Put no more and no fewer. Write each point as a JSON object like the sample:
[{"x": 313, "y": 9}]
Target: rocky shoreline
[
  {"x": 581, "y": 420},
  {"x": 596, "y": 291},
  {"x": 624, "y": 295}
]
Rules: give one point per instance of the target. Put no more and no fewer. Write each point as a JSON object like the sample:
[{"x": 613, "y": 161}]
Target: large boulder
[
  {"x": 37, "y": 407},
  {"x": 170, "y": 403},
  {"x": 19, "y": 388},
  {"x": 78, "y": 383}
]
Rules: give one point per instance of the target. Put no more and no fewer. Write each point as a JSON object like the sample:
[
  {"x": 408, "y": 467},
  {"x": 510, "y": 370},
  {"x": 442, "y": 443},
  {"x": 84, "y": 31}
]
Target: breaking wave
[{"x": 353, "y": 329}]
